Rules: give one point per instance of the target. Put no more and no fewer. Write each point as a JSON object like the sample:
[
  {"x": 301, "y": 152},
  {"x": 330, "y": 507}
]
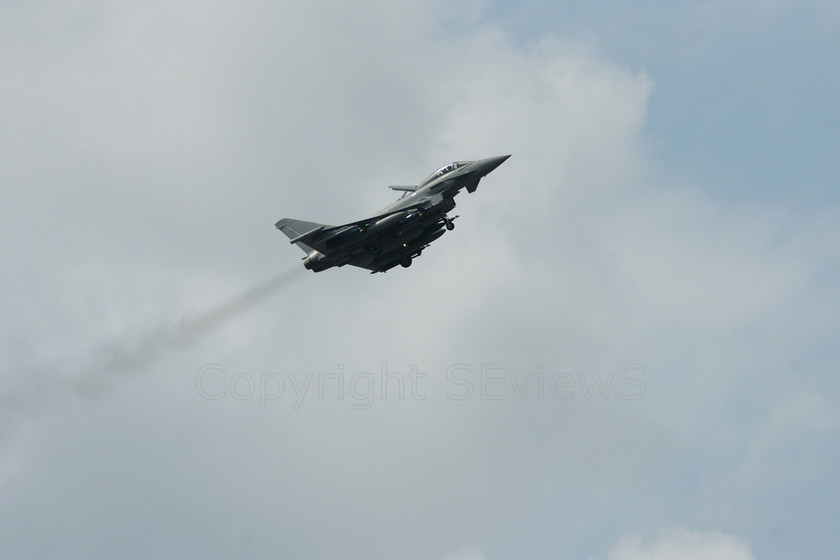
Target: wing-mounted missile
[
  {"x": 386, "y": 223},
  {"x": 431, "y": 234},
  {"x": 409, "y": 219},
  {"x": 342, "y": 236},
  {"x": 352, "y": 234}
]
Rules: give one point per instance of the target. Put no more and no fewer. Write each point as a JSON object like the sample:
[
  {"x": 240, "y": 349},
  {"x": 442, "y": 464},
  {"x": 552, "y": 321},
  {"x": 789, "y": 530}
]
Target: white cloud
[
  {"x": 678, "y": 543},
  {"x": 686, "y": 258},
  {"x": 149, "y": 157},
  {"x": 570, "y": 118}
]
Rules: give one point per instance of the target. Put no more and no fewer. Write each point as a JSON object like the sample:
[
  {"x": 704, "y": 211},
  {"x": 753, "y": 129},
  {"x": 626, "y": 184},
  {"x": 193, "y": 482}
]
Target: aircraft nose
[{"x": 489, "y": 164}]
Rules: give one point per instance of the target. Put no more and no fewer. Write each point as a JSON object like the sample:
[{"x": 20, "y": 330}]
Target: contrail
[{"x": 120, "y": 359}]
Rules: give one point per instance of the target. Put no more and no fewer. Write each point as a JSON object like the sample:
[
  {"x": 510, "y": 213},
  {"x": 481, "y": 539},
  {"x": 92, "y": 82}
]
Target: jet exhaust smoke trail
[{"x": 121, "y": 359}]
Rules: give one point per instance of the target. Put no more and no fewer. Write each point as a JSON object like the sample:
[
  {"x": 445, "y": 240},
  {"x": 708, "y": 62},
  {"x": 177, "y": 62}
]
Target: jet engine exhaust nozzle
[{"x": 311, "y": 261}]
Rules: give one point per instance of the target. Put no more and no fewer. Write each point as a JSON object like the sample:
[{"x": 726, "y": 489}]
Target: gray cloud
[
  {"x": 150, "y": 151},
  {"x": 121, "y": 358}
]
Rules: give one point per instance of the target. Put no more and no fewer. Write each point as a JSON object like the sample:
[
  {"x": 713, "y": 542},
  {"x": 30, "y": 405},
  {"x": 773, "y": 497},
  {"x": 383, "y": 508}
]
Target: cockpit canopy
[{"x": 443, "y": 171}]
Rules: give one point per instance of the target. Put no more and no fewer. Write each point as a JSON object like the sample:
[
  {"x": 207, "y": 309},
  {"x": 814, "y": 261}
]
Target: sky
[{"x": 625, "y": 350}]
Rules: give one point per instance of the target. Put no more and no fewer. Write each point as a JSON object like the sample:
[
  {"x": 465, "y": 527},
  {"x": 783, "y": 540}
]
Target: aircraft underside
[
  {"x": 400, "y": 232},
  {"x": 380, "y": 251}
]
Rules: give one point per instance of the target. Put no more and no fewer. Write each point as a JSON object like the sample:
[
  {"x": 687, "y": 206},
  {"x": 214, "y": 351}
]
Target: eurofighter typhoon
[{"x": 398, "y": 233}]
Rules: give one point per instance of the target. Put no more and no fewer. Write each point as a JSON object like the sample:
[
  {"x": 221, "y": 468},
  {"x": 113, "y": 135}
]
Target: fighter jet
[{"x": 399, "y": 232}]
